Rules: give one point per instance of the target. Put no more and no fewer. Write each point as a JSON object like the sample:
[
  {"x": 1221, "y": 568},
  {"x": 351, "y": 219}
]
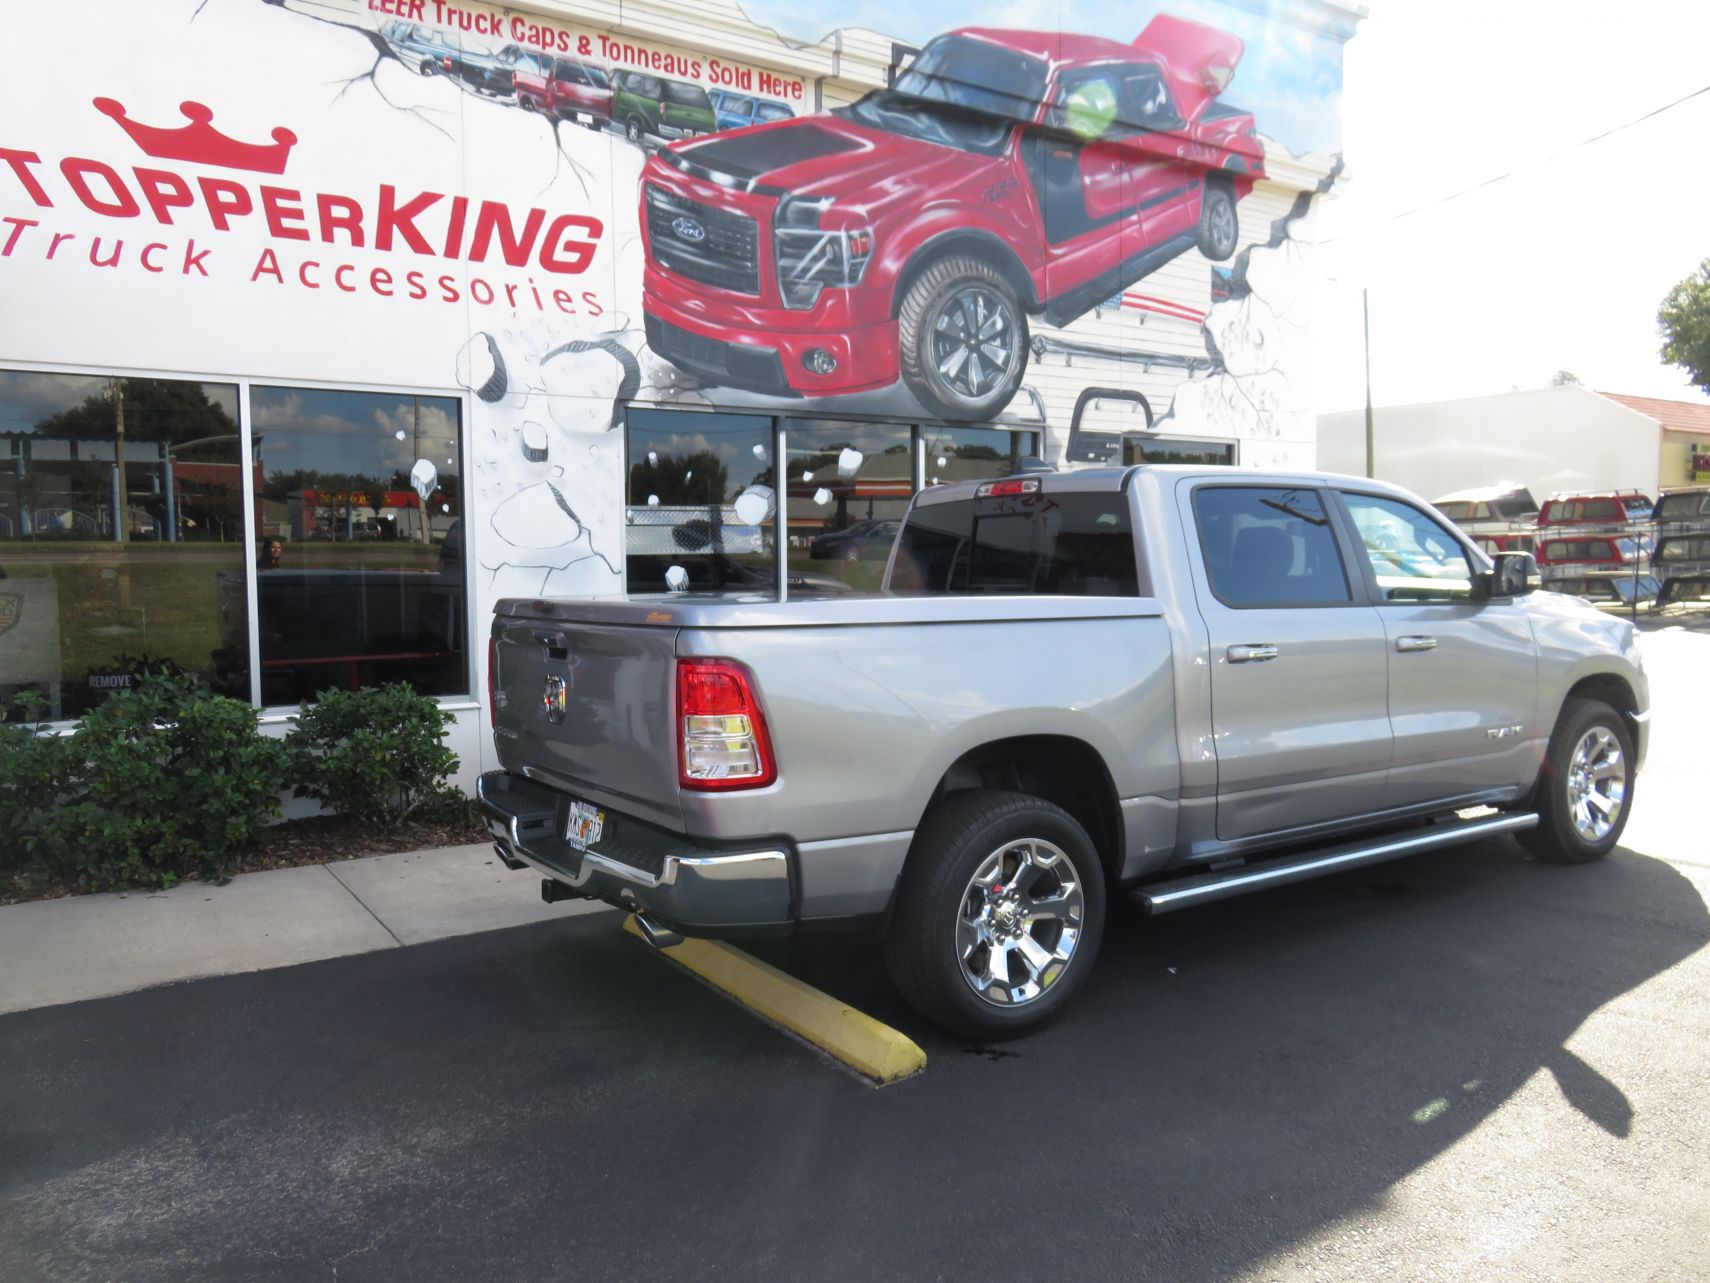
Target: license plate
[{"x": 585, "y": 826}]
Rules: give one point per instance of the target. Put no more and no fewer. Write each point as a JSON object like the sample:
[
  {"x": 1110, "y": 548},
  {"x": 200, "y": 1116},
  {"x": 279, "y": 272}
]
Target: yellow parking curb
[{"x": 866, "y": 1046}]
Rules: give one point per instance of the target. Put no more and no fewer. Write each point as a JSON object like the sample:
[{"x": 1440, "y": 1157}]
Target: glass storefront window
[
  {"x": 966, "y": 454},
  {"x": 1176, "y": 450},
  {"x": 849, "y": 485},
  {"x": 359, "y": 544},
  {"x": 121, "y": 517},
  {"x": 702, "y": 506}
]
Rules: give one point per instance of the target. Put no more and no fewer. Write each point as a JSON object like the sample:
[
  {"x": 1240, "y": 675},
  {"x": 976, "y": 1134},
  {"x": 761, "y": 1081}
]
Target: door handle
[
  {"x": 1251, "y": 653},
  {"x": 1408, "y": 644}
]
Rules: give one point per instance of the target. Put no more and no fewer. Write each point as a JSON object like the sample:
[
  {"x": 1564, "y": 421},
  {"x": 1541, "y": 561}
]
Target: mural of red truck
[{"x": 1005, "y": 175}]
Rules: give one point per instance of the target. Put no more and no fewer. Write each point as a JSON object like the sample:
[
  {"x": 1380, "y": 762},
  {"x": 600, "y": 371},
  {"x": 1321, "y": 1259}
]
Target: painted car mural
[{"x": 1004, "y": 175}]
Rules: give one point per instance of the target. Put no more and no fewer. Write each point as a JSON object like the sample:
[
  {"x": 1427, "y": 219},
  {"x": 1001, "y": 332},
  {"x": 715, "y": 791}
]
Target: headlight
[{"x": 810, "y": 257}]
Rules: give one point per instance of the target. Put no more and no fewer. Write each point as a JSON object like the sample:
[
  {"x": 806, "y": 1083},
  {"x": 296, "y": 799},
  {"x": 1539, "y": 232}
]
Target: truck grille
[{"x": 726, "y": 256}]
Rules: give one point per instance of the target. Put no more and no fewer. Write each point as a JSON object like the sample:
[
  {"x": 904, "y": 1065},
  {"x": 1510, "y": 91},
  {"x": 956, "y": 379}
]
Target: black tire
[
  {"x": 1558, "y": 838},
  {"x": 429, "y": 67},
  {"x": 969, "y": 285},
  {"x": 950, "y": 848},
  {"x": 1219, "y": 224},
  {"x": 635, "y": 130}
]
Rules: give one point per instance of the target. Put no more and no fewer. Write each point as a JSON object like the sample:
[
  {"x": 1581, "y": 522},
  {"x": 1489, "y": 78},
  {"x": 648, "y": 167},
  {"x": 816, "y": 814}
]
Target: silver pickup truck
[{"x": 1180, "y": 684}]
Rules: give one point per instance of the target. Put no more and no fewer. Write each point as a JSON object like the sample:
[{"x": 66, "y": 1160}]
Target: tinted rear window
[{"x": 1078, "y": 545}]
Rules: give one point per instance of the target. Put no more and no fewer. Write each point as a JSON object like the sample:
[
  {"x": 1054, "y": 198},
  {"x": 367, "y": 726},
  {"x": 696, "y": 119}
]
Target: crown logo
[{"x": 200, "y": 143}]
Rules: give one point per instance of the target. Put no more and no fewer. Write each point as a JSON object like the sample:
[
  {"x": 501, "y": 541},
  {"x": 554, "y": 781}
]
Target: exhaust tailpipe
[{"x": 657, "y": 935}]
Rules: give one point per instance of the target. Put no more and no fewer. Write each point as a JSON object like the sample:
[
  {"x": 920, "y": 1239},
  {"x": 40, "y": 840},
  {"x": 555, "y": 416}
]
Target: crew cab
[
  {"x": 1005, "y": 175},
  {"x": 1165, "y": 682},
  {"x": 568, "y": 88}
]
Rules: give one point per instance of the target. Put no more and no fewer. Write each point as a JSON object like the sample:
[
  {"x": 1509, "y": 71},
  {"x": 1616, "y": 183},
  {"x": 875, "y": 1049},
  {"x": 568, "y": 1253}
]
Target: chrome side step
[{"x": 1203, "y": 888}]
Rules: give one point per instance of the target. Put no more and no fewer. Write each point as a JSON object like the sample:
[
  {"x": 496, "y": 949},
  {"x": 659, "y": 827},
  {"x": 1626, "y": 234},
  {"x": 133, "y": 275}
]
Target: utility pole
[{"x": 1371, "y": 448}]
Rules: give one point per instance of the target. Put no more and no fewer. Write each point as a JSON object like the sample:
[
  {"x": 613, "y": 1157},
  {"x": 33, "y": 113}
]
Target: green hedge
[{"x": 169, "y": 780}]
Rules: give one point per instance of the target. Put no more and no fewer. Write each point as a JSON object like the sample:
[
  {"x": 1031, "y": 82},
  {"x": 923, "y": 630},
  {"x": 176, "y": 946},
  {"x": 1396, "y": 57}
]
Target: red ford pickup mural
[{"x": 1005, "y": 176}]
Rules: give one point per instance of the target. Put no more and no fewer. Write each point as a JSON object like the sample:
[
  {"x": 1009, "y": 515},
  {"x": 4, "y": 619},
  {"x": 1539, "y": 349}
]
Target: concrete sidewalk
[{"x": 90, "y": 946}]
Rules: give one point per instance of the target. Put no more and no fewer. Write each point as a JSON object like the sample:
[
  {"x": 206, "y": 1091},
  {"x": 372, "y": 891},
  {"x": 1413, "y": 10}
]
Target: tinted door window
[{"x": 1268, "y": 546}]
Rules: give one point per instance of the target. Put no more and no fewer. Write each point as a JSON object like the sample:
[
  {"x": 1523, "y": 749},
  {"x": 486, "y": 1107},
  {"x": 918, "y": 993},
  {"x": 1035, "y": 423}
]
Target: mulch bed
[{"x": 323, "y": 839}]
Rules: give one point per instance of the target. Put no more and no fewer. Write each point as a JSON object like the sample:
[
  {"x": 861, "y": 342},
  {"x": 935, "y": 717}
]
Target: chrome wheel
[
  {"x": 1596, "y": 784},
  {"x": 973, "y": 342},
  {"x": 1019, "y": 922}
]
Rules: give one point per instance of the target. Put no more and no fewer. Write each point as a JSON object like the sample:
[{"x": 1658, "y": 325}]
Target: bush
[
  {"x": 377, "y": 755},
  {"x": 160, "y": 780},
  {"x": 33, "y": 762}
]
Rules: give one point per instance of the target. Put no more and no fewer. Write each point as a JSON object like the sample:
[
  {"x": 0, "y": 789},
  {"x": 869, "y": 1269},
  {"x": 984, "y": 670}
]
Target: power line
[{"x": 1544, "y": 160}]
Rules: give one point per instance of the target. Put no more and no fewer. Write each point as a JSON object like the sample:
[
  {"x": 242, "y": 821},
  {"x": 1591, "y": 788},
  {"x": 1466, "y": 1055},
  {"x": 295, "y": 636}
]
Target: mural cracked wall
[{"x": 895, "y": 217}]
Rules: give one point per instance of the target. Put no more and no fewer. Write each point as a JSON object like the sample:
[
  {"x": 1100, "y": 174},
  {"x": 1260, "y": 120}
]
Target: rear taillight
[
  {"x": 492, "y": 682},
  {"x": 723, "y": 743}
]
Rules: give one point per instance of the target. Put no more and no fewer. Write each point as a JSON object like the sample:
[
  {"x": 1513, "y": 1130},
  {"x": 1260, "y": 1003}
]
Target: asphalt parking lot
[{"x": 1462, "y": 1066}]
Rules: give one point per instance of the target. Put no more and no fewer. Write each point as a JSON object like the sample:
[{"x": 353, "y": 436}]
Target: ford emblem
[
  {"x": 556, "y": 700},
  {"x": 689, "y": 229}
]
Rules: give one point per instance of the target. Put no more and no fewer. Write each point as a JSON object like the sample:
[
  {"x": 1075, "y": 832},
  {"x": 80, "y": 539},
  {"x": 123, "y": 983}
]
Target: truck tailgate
[{"x": 612, "y": 741}]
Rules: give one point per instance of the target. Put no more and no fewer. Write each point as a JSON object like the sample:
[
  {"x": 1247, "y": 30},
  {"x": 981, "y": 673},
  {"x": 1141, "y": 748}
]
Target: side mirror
[{"x": 1514, "y": 575}]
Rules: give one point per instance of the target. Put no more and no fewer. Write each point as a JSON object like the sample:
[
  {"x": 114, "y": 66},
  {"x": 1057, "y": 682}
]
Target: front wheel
[
  {"x": 1218, "y": 225},
  {"x": 1585, "y": 788},
  {"x": 634, "y": 131},
  {"x": 963, "y": 337},
  {"x": 998, "y": 916}
]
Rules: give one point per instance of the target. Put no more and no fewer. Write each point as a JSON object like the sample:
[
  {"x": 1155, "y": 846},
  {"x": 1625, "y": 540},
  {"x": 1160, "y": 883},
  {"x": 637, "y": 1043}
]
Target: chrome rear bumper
[{"x": 667, "y": 875}]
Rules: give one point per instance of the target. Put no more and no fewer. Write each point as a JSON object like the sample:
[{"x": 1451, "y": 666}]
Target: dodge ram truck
[
  {"x": 1005, "y": 174},
  {"x": 1173, "y": 683}
]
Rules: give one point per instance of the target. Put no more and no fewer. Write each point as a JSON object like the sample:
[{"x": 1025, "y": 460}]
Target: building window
[
  {"x": 359, "y": 543},
  {"x": 849, "y": 485},
  {"x": 702, "y": 508},
  {"x": 1177, "y": 450},
  {"x": 121, "y": 527},
  {"x": 963, "y": 454}
]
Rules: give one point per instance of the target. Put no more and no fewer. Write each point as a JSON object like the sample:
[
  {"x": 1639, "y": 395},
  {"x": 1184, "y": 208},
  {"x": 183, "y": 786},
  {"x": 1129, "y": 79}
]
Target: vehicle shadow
[{"x": 1237, "y": 1077}]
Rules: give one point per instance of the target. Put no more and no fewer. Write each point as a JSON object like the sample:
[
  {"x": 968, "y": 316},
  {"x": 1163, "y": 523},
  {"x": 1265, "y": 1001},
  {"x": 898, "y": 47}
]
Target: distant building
[{"x": 1548, "y": 440}]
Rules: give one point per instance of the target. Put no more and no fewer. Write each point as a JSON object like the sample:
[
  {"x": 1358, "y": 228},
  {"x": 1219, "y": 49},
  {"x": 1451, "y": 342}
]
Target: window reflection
[
  {"x": 849, "y": 485},
  {"x": 359, "y": 547},
  {"x": 966, "y": 454},
  {"x": 121, "y": 511},
  {"x": 702, "y": 511}
]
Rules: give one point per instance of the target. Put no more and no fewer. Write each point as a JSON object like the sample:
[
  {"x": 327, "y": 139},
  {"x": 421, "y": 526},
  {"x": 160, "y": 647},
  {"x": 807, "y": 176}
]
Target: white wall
[{"x": 1547, "y": 440}]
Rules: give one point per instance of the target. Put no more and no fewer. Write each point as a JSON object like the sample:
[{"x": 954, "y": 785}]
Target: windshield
[
  {"x": 959, "y": 93},
  {"x": 1077, "y": 545}
]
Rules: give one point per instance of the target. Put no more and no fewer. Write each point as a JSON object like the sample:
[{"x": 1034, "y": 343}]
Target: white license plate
[{"x": 585, "y": 826}]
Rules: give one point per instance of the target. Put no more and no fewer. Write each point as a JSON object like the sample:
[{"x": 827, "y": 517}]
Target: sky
[
  {"x": 1289, "y": 76},
  {"x": 1561, "y": 266}
]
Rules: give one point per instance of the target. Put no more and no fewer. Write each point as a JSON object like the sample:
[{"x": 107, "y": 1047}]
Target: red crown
[{"x": 202, "y": 144}]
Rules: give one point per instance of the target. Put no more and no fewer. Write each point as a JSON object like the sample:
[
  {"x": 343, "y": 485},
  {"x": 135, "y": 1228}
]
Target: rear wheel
[
  {"x": 963, "y": 337},
  {"x": 1585, "y": 789},
  {"x": 635, "y": 131},
  {"x": 999, "y": 914}
]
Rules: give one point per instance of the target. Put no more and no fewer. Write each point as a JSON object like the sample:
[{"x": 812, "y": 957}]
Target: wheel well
[
  {"x": 1064, "y": 771},
  {"x": 986, "y": 247},
  {"x": 1609, "y": 688}
]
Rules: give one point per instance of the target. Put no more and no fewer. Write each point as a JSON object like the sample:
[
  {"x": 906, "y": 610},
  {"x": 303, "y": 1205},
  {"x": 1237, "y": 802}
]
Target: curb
[{"x": 872, "y": 1049}]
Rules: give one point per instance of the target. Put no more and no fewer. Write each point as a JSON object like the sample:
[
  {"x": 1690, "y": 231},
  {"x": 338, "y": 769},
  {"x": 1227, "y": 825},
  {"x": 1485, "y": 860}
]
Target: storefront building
[{"x": 325, "y": 324}]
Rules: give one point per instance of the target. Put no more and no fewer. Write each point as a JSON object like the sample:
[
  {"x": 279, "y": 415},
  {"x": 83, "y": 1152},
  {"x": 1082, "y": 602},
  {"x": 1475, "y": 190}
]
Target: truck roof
[{"x": 1108, "y": 479}]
